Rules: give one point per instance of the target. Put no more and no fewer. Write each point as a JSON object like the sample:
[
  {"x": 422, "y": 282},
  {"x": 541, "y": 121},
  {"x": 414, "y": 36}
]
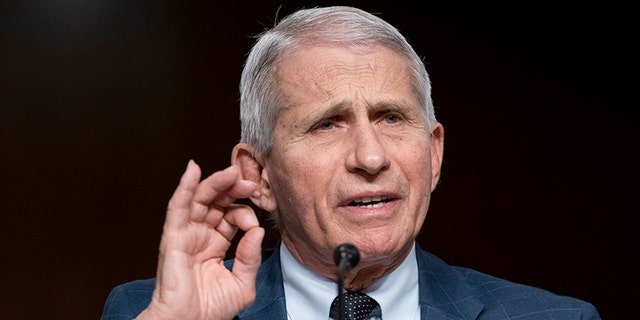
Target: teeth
[
  {"x": 369, "y": 202},
  {"x": 372, "y": 205},
  {"x": 365, "y": 200}
]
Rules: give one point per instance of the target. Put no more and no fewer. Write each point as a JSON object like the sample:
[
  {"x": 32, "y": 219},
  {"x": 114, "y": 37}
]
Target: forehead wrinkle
[
  {"x": 326, "y": 78},
  {"x": 305, "y": 84},
  {"x": 314, "y": 85}
]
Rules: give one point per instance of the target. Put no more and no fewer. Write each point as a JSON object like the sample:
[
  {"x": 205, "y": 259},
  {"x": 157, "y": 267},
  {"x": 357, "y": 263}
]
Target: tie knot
[{"x": 357, "y": 306}]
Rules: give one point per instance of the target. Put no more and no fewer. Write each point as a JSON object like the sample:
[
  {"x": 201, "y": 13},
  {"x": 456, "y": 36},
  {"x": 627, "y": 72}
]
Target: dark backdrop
[{"x": 102, "y": 103}]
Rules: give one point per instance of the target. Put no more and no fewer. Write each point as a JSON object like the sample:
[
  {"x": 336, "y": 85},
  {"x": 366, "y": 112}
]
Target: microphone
[{"x": 345, "y": 256}]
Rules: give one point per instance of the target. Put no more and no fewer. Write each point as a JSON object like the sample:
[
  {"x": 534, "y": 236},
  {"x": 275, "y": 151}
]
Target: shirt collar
[{"x": 309, "y": 295}]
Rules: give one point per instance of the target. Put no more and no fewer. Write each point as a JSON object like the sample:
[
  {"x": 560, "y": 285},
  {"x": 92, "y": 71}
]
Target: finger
[
  {"x": 219, "y": 191},
  {"x": 242, "y": 216},
  {"x": 236, "y": 216},
  {"x": 248, "y": 257},
  {"x": 224, "y": 187},
  {"x": 179, "y": 204}
]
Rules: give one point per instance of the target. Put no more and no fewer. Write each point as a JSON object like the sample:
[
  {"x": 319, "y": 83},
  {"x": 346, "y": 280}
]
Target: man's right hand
[{"x": 192, "y": 281}]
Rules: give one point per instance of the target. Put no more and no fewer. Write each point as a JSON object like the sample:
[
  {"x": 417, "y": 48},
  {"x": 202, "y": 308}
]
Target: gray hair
[{"x": 260, "y": 97}]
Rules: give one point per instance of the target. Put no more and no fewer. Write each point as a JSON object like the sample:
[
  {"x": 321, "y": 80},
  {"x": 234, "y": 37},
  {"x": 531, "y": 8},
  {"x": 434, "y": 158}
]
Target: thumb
[{"x": 248, "y": 257}]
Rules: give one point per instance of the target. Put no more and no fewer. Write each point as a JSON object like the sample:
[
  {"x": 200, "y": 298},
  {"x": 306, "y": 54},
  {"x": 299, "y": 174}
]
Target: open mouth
[{"x": 369, "y": 202}]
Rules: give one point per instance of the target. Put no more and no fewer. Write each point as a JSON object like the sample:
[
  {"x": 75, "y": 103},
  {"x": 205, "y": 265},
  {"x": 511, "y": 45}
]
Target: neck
[{"x": 367, "y": 272}]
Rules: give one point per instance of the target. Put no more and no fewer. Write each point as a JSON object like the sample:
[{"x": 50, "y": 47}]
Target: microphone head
[{"x": 349, "y": 253}]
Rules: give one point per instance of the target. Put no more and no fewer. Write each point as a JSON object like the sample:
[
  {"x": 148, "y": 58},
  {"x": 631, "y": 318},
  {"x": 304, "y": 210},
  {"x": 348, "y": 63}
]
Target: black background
[{"x": 102, "y": 103}]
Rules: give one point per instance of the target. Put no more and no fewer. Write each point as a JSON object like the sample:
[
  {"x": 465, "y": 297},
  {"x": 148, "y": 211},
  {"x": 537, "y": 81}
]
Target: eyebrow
[
  {"x": 330, "y": 112},
  {"x": 387, "y": 106},
  {"x": 379, "y": 107}
]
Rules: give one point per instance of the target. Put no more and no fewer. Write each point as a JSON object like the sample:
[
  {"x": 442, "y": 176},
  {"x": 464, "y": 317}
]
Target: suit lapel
[{"x": 443, "y": 294}]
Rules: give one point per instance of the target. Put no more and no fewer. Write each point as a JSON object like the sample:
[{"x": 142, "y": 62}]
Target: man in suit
[{"x": 341, "y": 145}]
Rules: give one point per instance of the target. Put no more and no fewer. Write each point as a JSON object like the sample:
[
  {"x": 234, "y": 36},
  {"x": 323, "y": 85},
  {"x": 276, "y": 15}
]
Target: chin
[{"x": 380, "y": 247}]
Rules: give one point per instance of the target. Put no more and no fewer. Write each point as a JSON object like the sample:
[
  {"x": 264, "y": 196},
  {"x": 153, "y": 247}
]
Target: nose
[{"x": 369, "y": 154}]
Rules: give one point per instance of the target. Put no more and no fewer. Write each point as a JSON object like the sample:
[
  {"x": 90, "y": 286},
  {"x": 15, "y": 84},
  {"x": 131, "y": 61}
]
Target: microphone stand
[
  {"x": 341, "y": 272},
  {"x": 346, "y": 256}
]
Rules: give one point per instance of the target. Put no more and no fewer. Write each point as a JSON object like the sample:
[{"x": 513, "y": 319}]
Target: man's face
[{"x": 352, "y": 159}]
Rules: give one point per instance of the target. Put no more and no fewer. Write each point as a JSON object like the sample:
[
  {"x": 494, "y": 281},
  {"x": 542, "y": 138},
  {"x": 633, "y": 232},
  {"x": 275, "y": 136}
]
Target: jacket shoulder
[
  {"x": 510, "y": 299},
  {"x": 456, "y": 290}
]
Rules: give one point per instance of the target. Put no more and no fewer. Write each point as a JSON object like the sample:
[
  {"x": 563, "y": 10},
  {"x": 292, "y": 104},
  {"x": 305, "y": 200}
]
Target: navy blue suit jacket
[{"x": 446, "y": 293}]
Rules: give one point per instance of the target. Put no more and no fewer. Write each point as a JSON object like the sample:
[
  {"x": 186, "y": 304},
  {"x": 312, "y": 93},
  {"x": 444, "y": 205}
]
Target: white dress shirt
[{"x": 309, "y": 295}]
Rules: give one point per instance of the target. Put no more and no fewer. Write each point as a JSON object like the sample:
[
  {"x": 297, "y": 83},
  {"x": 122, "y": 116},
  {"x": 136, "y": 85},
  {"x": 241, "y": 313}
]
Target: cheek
[
  {"x": 299, "y": 184},
  {"x": 301, "y": 194},
  {"x": 416, "y": 166},
  {"x": 415, "y": 162}
]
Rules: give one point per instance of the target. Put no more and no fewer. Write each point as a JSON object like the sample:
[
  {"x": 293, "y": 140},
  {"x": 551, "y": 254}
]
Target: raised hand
[{"x": 192, "y": 281}]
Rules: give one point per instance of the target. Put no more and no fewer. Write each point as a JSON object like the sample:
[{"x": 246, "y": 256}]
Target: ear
[
  {"x": 252, "y": 168},
  {"x": 436, "y": 144}
]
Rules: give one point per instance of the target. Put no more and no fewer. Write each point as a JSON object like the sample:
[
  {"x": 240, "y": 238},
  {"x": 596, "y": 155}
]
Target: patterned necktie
[{"x": 357, "y": 306}]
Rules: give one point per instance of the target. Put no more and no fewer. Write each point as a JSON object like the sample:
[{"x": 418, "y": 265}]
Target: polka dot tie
[{"x": 357, "y": 306}]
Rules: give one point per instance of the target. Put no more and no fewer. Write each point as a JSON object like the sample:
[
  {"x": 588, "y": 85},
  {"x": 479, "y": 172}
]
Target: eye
[
  {"x": 326, "y": 125},
  {"x": 392, "y": 118}
]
